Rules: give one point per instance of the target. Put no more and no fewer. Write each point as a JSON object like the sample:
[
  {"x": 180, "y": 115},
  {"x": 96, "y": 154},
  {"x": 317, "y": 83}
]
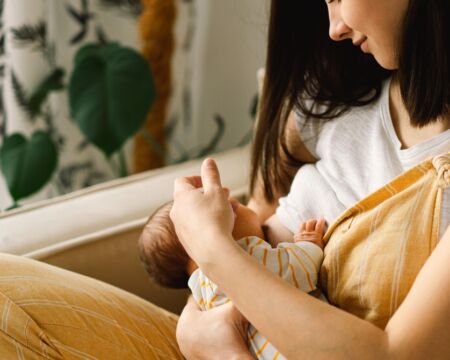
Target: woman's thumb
[{"x": 210, "y": 176}]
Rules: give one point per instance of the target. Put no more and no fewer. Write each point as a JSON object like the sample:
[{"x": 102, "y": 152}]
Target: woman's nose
[{"x": 338, "y": 29}]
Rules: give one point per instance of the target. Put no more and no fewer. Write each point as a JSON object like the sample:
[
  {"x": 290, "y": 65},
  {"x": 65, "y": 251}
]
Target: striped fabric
[
  {"x": 376, "y": 248},
  {"x": 51, "y": 313},
  {"x": 297, "y": 263}
]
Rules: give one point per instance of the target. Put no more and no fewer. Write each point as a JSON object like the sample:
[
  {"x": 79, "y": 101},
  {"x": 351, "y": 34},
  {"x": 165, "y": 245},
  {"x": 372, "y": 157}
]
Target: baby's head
[
  {"x": 164, "y": 257},
  {"x": 161, "y": 252}
]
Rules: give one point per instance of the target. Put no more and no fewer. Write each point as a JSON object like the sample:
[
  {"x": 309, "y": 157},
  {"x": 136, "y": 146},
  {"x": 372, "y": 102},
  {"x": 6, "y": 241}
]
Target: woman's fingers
[
  {"x": 197, "y": 341},
  {"x": 193, "y": 182},
  {"x": 210, "y": 176},
  {"x": 187, "y": 183},
  {"x": 240, "y": 321},
  {"x": 209, "y": 179}
]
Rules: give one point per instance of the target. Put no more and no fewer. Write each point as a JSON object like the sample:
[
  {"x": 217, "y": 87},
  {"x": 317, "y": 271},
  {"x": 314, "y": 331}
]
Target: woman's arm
[
  {"x": 299, "y": 325},
  {"x": 306, "y": 328},
  {"x": 192, "y": 320}
]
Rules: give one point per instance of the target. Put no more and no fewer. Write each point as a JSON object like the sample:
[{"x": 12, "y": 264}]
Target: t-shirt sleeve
[
  {"x": 301, "y": 204},
  {"x": 309, "y": 131}
]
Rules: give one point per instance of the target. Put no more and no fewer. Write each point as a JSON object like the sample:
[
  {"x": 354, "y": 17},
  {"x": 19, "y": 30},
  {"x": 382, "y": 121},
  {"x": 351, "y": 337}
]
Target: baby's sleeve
[
  {"x": 205, "y": 292},
  {"x": 297, "y": 263}
]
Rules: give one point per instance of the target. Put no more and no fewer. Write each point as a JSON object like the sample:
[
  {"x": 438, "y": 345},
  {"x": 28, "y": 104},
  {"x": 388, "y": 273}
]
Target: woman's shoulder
[
  {"x": 352, "y": 112},
  {"x": 361, "y": 120}
]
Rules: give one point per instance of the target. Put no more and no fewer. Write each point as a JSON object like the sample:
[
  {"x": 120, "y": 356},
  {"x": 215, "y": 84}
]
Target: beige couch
[{"x": 95, "y": 231}]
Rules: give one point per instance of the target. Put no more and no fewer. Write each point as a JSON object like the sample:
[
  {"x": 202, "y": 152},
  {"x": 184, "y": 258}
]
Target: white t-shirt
[{"x": 358, "y": 152}]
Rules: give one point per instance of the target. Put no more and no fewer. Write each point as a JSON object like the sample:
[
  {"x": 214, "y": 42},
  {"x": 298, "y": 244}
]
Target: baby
[{"x": 296, "y": 262}]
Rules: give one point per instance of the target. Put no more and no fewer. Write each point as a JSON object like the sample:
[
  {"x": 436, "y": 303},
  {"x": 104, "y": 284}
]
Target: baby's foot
[{"x": 312, "y": 231}]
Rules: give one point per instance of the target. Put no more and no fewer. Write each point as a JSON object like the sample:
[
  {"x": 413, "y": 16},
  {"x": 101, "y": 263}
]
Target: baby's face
[{"x": 246, "y": 222}]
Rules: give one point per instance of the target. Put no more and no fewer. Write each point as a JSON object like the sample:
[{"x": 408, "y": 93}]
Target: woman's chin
[{"x": 386, "y": 62}]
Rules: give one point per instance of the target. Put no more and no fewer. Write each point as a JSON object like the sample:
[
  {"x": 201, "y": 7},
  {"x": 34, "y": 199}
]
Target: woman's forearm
[{"x": 299, "y": 325}]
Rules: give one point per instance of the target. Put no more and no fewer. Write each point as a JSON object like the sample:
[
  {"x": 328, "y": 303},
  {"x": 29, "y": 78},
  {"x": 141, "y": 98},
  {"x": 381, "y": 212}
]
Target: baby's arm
[{"x": 297, "y": 263}]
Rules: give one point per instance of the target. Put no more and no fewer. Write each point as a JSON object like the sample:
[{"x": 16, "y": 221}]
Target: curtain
[
  {"x": 39, "y": 37},
  {"x": 218, "y": 47}
]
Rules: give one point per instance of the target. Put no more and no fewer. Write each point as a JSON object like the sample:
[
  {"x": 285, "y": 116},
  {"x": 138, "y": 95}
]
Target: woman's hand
[
  {"x": 219, "y": 333},
  {"x": 203, "y": 219}
]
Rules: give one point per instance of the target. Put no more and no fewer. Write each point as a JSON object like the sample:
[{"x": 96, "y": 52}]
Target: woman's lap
[{"x": 49, "y": 312}]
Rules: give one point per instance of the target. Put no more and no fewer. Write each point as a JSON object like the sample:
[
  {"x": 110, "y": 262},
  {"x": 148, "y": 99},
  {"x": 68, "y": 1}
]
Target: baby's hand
[{"x": 312, "y": 231}]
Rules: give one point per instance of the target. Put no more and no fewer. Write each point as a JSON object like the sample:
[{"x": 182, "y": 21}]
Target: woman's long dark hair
[{"x": 303, "y": 63}]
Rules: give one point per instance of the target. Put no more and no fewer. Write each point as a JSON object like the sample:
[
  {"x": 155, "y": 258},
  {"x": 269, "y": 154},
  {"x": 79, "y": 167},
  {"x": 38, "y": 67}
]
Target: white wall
[{"x": 229, "y": 48}]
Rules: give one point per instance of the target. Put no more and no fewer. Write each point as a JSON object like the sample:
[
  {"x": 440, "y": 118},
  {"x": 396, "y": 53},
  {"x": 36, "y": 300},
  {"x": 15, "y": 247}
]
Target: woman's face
[{"x": 375, "y": 25}]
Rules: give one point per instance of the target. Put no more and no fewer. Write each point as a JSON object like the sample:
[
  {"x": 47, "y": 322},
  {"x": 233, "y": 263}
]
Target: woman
[{"x": 310, "y": 77}]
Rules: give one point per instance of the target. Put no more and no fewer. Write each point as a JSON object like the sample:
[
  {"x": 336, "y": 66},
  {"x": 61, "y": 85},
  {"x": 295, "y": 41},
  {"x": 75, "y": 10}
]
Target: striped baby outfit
[{"x": 297, "y": 263}]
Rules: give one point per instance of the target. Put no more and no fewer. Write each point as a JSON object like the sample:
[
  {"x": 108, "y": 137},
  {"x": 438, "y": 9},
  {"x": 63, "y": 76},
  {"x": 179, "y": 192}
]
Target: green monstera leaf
[
  {"x": 111, "y": 90},
  {"x": 27, "y": 165}
]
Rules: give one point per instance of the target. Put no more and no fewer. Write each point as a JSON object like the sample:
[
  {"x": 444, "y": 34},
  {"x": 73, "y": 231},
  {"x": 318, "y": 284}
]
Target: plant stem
[
  {"x": 15, "y": 205},
  {"x": 123, "y": 169},
  {"x": 113, "y": 166},
  {"x": 153, "y": 142},
  {"x": 59, "y": 186}
]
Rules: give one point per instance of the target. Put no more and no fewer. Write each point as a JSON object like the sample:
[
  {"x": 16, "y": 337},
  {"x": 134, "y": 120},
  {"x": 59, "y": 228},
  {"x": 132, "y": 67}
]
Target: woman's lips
[{"x": 364, "y": 46}]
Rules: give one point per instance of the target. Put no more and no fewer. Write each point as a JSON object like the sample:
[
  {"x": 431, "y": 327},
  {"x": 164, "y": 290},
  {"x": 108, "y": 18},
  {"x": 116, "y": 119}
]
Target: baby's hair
[{"x": 161, "y": 252}]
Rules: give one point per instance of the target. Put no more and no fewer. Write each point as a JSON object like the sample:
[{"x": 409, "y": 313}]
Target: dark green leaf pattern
[
  {"x": 32, "y": 104},
  {"x": 31, "y": 35},
  {"x": 27, "y": 164},
  {"x": 3, "y": 117},
  {"x": 132, "y": 7},
  {"x": 86, "y": 170},
  {"x": 53, "y": 82},
  {"x": 20, "y": 93},
  {"x": 83, "y": 17}
]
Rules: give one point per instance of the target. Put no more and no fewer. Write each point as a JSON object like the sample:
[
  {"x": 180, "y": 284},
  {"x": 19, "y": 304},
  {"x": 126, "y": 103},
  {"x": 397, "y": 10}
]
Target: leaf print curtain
[
  {"x": 39, "y": 40},
  {"x": 219, "y": 45}
]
